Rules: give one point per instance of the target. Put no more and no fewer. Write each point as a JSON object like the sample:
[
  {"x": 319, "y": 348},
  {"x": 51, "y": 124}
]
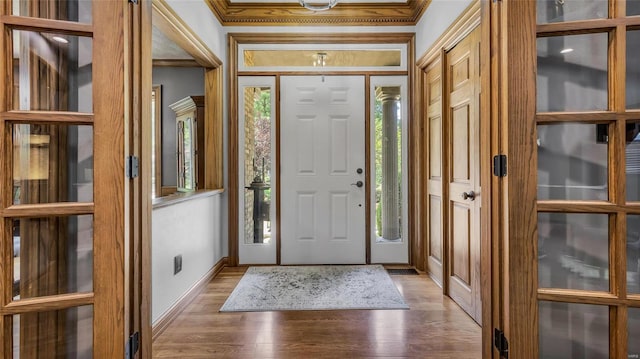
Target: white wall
[
  {"x": 192, "y": 229},
  {"x": 439, "y": 16}
]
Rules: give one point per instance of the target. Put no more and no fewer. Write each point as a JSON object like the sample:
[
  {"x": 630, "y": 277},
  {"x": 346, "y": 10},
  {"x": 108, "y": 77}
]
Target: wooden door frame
[
  {"x": 139, "y": 136},
  {"x": 234, "y": 39},
  {"x": 478, "y": 14}
]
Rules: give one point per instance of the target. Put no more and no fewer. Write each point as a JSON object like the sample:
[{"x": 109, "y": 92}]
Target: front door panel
[{"x": 322, "y": 146}]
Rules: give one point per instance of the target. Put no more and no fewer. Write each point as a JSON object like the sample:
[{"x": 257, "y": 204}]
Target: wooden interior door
[
  {"x": 433, "y": 151},
  {"x": 62, "y": 179},
  {"x": 463, "y": 151},
  {"x": 571, "y": 196}
]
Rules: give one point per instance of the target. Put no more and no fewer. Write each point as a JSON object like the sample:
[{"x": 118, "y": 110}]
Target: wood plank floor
[{"x": 434, "y": 327}]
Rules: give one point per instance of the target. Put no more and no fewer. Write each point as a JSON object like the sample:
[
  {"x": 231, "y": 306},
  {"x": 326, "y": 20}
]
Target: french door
[
  {"x": 572, "y": 191},
  {"x": 62, "y": 184}
]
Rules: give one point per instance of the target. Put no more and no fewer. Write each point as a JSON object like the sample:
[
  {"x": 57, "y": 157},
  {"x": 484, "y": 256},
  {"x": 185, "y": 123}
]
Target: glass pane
[
  {"x": 69, "y": 10},
  {"x": 634, "y": 333},
  {"x": 388, "y": 164},
  {"x": 52, "y": 163},
  {"x": 257, "y": 165},
  {"x": 633, "y": 7},
  {"x": 52, "y": 256},
  {"x": 572, "y": 162},
  {"x": 573, "y": 331},
  {"x": 632, "y": 153},
  {"x": 572, "y": 73},
  {"x": 66, "y": 333},
  {"x": 322, "y": 58},
  {"x": 573, "y": 251},
  {"x": 633, "y": 254},
  {"x": 570, "y": 10},
  {"x": 53, "y": 72},
  {"x": 186, "y": 154},
  {"x": 633, "y": 71}
]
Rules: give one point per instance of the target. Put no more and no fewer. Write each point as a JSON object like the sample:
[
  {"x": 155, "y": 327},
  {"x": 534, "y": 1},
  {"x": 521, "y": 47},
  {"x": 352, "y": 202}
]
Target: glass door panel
[
  {"x": 633, "y": 71},
  {"x": 632, "y": 155},
  {"x": 573, "y": 251},
  {"x": 634, "y": 333},
  {"x": 572, "y": 162},
  {"x": 52, "y": 163},
  {"x": 569, "y": 10},
  {"x": 633, "y": 254},
  {"x": 257, "y": 170},
  {"x": 53, "y": 72},
  {"x": 52, "y": 256},
  {"x": 70, "y": 10},
  {"x": 572, "y": 73},
  {"x": 573, "y": 331},
  {"x": 66, "y": 333}
]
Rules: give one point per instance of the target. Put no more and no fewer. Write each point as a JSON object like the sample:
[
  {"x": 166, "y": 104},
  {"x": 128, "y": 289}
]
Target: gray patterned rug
[{"x": 314, "y": 288}]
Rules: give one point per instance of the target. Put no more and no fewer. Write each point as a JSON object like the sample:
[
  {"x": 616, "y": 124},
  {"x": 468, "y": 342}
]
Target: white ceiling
[
  {"x": 164, "y": 49},
  {"x": 318, "y": 1}
]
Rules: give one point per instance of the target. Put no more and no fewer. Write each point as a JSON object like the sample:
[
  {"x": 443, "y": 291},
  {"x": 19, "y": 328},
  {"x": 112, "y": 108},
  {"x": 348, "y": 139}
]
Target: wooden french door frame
[
  {"x": 515, "y": 32},
  {"x": 109, "y": 205}
]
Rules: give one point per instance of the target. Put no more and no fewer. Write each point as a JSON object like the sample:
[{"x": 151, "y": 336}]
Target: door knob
[
  {"x": 469, "y": 195},
  {"x": 358, "y": 184},
  {"x": 359, "y": 171}
]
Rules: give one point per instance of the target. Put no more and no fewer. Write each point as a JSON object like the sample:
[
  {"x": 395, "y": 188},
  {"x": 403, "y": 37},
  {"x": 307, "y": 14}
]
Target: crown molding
[{"x": 343, "y": 14}]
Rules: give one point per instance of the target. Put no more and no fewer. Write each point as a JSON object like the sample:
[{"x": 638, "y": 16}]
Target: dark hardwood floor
[{"x": 434, "y": 327}]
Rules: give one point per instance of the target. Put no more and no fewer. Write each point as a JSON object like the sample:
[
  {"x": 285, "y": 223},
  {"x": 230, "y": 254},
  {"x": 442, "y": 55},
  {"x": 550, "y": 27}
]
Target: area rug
[{"x": 314, "y": 288}]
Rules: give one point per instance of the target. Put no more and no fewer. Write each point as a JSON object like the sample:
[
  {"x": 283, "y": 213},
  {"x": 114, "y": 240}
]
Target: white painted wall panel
[
  {"x": 192, "y": 229},
  {"x": 439, "y": 16}
]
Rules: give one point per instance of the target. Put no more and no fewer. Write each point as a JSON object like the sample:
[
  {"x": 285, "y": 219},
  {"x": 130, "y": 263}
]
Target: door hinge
[
  {"x": 133, "y": 344},
  {"x": 133, "y": 167},
  {"x": 500, "y": 165},
  {"x": 501, "y": 343}
]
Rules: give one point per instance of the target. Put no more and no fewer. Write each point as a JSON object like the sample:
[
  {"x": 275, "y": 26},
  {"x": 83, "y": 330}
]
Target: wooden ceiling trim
[{"x": 292, "y": 14}]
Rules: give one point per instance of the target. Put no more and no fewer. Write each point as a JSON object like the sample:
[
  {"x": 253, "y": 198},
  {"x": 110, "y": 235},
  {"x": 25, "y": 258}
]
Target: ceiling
[
  {"x": 164, "y": 49},
  {"x": 289, "y": 12}
]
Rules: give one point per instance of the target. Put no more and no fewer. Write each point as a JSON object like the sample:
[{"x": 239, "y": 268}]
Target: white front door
[{"x": 322, "y": 169}]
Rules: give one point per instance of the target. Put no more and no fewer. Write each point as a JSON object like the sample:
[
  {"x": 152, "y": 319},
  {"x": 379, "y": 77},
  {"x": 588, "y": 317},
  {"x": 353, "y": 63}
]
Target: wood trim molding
[
  {"x": 175, "y": 63},
  {"x": 292, "y": 14},
  {"x": 179, "y": 32},
  {"x": 463, "y": 25},
  {"x": 170, "y": 315},
  {"x": 233, "y": 40}
]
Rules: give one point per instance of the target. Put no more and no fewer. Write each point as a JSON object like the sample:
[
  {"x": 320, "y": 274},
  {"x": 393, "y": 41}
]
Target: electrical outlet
[{"x": 177, "y": 264}]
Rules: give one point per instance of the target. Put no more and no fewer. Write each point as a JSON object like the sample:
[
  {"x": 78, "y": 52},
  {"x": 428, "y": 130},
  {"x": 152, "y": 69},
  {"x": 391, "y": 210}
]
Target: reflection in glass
[
  {"x": 633, "y": 350},
  {"x": 632, "y": 153},
  {"x": 572, "y": 73},
  {"x": 52, "y": 163},
  {"x": 633, "y": 254},
  {"x": 572, "y": 162},
  {"x": 66, "y": 333},
  {"x": 69, "y": 10},
  {"x": 633, "y": 71},
  {"x": 573, "y": 251},
  {"x": 573, "y": 331},
  {"x": 570, "y": 10},
  {"x": 53, "y": 72},
  {"x": 52, "y": 256},
  {"x": 257, "y": 165},
  {"x": 633, "y": 7},
  {"x": 388, "y": 164}
]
